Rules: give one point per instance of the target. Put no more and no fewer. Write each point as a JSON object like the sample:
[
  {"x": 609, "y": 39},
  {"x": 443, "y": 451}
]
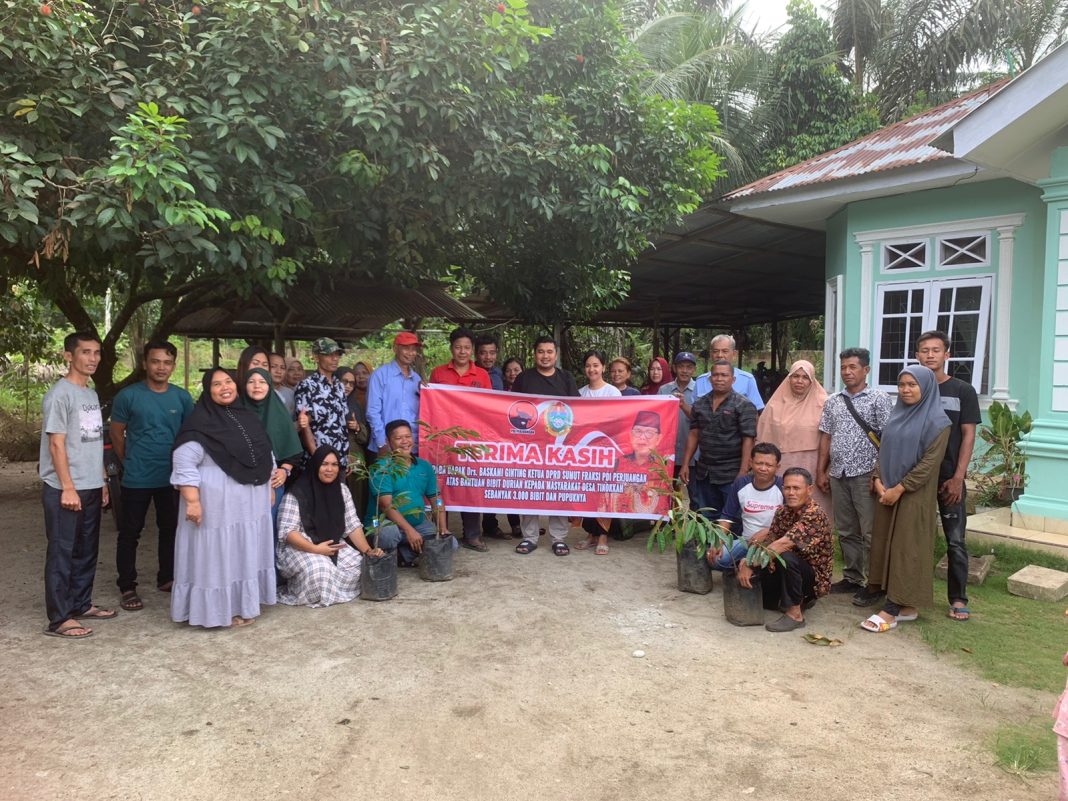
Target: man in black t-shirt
[
  {"x": 545, "y": 378},
  {"x": 961, "y": 405}
]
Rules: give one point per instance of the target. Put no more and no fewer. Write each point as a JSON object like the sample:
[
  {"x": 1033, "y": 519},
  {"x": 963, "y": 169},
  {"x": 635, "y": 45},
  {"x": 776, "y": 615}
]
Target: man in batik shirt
[
  {"x": 322, "y": 409},
  {"x": 800, "y": 535}
]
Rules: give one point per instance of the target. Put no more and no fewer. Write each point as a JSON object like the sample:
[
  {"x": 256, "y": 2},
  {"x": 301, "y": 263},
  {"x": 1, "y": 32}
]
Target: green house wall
[{"x": 959, "y": 203}]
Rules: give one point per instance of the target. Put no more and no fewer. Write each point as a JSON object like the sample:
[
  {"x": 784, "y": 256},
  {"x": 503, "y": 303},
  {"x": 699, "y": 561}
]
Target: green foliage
[
  {"x": 180, "y": 158},
  {"x": 1002, "y": 466},
  {"x": 820, "y": 108}
]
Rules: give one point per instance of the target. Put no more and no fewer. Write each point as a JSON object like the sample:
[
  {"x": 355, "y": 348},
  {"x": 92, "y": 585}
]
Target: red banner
[{"x": 532, "y": 454}]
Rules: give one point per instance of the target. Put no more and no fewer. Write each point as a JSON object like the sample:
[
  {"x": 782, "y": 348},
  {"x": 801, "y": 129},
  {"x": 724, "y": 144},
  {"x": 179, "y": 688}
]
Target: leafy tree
[
  {"x": 177, "y": 153},
  {"x": 902, "y": 48},
  {"x": 819, "y": 107}
]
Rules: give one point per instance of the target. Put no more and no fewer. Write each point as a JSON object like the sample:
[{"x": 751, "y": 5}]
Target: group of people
[{"x": 259, "y": 486}]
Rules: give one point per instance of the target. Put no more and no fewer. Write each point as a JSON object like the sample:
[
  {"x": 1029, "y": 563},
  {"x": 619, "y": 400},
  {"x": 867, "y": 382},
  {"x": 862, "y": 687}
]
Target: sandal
[
  {"x": 93, "y": 613},
  {"x": 601, "y": 550},
  {"x": 497, "y": 534},
  {"x": 67, "y": 632},
  {"x": 526, "y": 546},
  {"x": 959, "y": 613},
  {"x": 584, "y": 544},
  {"x": 561, "y": 549},
  {"x": 475, "y": 545},
  {"x": 877, "y": 625},
  {"x": 131, "y": 602},
  {"x": 238, "y": 621},
  {"x": 165, "y": 586}
]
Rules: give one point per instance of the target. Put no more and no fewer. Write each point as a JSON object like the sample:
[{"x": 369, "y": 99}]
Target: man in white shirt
[
  {"x": 751, "y": 505},
  {"x": 723, "y": 346}
]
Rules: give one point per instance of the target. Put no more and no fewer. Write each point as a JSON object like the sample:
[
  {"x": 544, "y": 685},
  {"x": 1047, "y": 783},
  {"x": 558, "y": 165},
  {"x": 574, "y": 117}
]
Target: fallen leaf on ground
[{"x": 819, "y": 639}]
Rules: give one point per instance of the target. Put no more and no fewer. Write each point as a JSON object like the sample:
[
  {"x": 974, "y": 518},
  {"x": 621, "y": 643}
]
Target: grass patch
[
  {"x": 1009, "y": 640},
  {"x": 1025, "y": 749}
]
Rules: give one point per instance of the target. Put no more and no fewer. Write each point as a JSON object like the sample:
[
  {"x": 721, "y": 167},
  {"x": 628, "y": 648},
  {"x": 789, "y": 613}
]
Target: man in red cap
[
  {"x": 393, "y": 391},
  {"x": 463, "y": 372}
]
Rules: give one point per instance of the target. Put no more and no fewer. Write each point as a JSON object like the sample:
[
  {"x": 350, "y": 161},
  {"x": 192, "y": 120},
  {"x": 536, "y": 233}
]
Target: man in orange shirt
[{"x": 461, "y": 371}]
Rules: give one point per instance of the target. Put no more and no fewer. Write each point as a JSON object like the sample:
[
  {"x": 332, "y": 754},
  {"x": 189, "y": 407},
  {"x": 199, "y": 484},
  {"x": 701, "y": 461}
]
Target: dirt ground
[{"x": 517, "y": 680}]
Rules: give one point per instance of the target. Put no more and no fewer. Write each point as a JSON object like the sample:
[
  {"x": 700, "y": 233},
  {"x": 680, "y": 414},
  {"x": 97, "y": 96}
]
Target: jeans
[
  {"x": 854, "y": 515},
  {"x": 135, "y": 502},
  {"x": 706, "y": 495},
  {"x": 954, "y": 523},
  {"x": 470, "y": 522},
  {"x": 790, "y": 585},
  {"x": 391, "y": 538},
  {"x": 730, "y": 557},
  {"x": 70, "y": 559}
]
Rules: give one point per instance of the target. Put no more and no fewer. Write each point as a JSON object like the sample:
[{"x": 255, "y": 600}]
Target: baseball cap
[
  {"x": 685, "y": 356},
  {"x": 326, "y": 347},
  {"x": 406, "y": 338}
]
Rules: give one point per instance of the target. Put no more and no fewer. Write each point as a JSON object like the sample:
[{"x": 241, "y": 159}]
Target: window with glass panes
[{"x": 959, "y": 307}]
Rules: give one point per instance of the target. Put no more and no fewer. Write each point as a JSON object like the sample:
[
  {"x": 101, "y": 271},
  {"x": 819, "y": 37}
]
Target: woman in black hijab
[
  {"x": 224, "y": 546},
  {"x": 321, "y": 543}
]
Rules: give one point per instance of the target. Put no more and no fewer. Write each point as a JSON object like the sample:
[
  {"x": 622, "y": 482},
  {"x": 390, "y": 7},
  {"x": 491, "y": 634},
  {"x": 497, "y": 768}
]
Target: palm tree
[
  {"x": 900, "y": 48},
  {"x": 702, "y": 52}
]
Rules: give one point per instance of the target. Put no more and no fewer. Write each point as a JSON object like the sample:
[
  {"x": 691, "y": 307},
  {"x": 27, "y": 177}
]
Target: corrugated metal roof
[
  {"x": 343, "y": 309},
  {"x": 715, "y": 269},
  {"x": 903, "y": 144}
]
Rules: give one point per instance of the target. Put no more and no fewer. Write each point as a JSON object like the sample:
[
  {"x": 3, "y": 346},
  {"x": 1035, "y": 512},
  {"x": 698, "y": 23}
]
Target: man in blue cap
[{"x": 683, "y": 389}]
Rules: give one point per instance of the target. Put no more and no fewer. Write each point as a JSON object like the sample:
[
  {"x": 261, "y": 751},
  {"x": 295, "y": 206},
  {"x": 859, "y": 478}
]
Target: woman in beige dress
[{"x": 791, "y": 420}]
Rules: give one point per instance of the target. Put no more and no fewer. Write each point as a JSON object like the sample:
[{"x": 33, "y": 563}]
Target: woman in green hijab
[{"x": 266, "y": 405}]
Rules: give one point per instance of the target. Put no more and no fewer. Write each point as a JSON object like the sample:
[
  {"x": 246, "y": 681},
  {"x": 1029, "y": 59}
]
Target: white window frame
[
  {"x": 919, "y": 268},
  {"x": 978, "y": 265},
  {"x": 832, "y": 333},
  {"x": 931, "y": 290}
]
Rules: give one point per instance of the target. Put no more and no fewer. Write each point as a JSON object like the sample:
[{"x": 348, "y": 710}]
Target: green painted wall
[{"x": 961, "y": 202}]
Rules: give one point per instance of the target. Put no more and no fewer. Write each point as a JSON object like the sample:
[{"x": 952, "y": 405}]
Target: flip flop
[
  {"x": 477, "y": 545},
  {"x": 959, "y": 610},
  {"x": 131, "y": 602},
  {"x": 561, "y": 549},
  {"x": 877, "y": 625},
  {"x": 525, "y": 547},
  {"x": 583, "y": 545},
  {"x": 601, "y": 550},
  {"x": 92, "y": 613},
  {"x": 65, "y": 632},
  {"x": 498, "y": 534},
  {"x": 239, "y": 622}
]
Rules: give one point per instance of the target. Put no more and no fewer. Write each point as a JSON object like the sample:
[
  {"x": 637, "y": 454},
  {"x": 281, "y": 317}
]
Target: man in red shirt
[{"x": 461, "y": 371}]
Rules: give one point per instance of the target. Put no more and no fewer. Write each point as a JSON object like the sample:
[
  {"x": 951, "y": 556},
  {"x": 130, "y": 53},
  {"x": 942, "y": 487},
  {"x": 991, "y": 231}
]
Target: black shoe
[
  {"x": 867, "y": 597},
  {"x": 844, "y": 586}
]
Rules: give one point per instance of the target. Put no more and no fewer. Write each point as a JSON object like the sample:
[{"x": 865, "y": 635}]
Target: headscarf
[
  {"x": 790, "y": 422},
  {"x": 911, "y": 429},
  {"x": 275, "y": 418},
  {"x": 649, "y": 388},
  {"x": 233, "y": 436},
  {"x": 360, "y": 395},
  {"x": 322, "y": 506},
  {"x": 350, "y": 398}
]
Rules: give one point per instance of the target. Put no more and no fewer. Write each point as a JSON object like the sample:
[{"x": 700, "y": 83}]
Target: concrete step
[{"x": 996, "y": 525}]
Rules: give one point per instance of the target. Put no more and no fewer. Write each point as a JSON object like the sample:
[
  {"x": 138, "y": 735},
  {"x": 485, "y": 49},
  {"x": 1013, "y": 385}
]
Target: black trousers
[
  {"x": 789, "y": 585},
  {"x": 490, "y": 524},
  {"x": 135, "y": 503},
  {"x": 70, "y": 559}
]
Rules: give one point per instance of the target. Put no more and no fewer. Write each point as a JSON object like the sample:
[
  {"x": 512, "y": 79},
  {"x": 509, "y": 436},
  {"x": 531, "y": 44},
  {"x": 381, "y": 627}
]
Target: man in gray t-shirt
[{"x": 74, "y": 492}]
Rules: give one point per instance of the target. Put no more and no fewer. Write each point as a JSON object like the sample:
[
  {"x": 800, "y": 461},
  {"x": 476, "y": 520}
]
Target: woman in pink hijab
[{"x": 791, "y": 420}]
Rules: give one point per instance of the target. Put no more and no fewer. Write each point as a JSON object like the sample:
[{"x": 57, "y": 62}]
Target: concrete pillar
[{"x": 1044, "y": 505}]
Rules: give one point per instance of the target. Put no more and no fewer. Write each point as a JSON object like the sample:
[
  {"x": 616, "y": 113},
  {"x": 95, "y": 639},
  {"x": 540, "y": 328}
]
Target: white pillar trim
[
  {"x": 867, "y": 294},
  {"x": 1003, "y": 306}
]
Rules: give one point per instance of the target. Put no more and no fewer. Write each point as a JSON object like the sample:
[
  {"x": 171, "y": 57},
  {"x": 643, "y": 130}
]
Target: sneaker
[
  {"x": 844, "y": 586},
  {"x": 867, "y": 597}
]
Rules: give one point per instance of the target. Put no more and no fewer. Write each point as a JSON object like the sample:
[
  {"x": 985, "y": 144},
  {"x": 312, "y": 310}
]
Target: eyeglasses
[
  {"x": 348, "y": 383},
  {"x": 644, "y": 433}
]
